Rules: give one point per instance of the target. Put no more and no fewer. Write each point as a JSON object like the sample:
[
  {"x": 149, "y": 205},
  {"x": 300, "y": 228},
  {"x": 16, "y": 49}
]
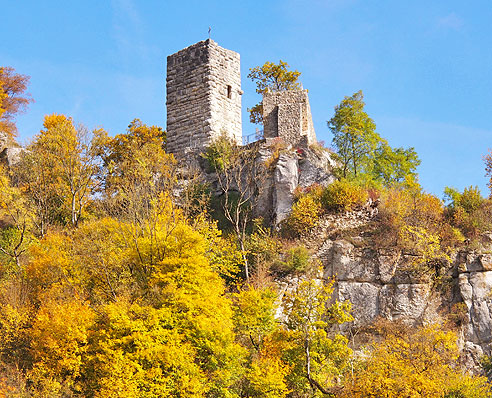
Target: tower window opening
[{"x": 229, "y": 92}]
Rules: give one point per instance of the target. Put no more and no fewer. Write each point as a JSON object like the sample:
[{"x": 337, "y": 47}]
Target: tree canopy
[
  {"x": 362, "y": 151},
  {"x": 271, "y": 77},
  {"x": 13, "y": 98}
]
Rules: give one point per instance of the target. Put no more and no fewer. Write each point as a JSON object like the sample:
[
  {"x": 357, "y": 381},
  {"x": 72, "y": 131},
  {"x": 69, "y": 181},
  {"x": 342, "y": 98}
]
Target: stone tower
[
  {"x": 287, "y": 114},
  {"x": 203, "y": 97}
]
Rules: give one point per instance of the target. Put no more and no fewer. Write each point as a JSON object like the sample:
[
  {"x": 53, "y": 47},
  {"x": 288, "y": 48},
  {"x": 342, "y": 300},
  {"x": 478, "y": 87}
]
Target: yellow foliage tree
[
  {"x": 412, "y": 364},
  {"x": 99, "y": 249},
  {"x": 414, "y": 222},
  {"x": 136, "y": 170},
  {"x": 59, "y": 338},
  {"x": 173, "y": 257},
  {"x": 266, "y": 378},
  {"x": 254, "y": 316},
  {"x": 18, "y": 220},
  {"x": 60, "y": 168},
  {"x": 164, "y": 326},
  {"x": 137, "y": 351},
  {"x": 317, "y": 358}
]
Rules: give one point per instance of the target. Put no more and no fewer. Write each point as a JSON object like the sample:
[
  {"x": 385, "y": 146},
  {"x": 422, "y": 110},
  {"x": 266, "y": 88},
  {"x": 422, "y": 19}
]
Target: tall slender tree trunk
[
  {"x": 74, "y": 211},
  {"x": 243, "y": 253}
]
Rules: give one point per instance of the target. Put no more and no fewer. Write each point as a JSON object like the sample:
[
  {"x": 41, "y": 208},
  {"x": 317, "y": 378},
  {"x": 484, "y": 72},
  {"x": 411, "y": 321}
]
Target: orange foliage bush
[{"x": 415, "y": 222}]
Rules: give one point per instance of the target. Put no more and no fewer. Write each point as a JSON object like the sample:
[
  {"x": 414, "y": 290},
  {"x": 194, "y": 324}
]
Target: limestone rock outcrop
[
  {"x": 300, "y": 167},
  {"x": 10, "y": 151},
  {"x": 380, "y": 283}
]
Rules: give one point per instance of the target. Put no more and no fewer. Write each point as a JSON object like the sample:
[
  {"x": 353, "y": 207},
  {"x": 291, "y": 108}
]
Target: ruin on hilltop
[{"x": 204, "y": 102}]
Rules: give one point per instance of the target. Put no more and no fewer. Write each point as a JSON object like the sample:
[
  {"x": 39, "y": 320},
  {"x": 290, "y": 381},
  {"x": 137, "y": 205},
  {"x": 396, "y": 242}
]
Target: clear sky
[{"x": 425, "y": 67}]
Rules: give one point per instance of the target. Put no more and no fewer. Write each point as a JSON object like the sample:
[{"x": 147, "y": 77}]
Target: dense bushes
[
  {"x": 414, "y": 222},
  {"x": 412, "y": 363},
  {"x": 305, "y": 212},
  {"x": 343, "y": 195},
  {"x": 270, "y": 254},
  {"x": 469, "y": 211},
  {"x": 315, "y": 200},
  {"x": 410, "y": 219}
]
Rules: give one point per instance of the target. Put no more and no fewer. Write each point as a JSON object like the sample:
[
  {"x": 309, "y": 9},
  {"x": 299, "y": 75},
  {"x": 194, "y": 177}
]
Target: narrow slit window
[{"x": 229, "y": 92}]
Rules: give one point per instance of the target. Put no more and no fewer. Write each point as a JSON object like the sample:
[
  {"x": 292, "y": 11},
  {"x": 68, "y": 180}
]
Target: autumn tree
[
  {"x": 316, "y": 356},
  {"x": 17, "y": 219},
  {"x": 13, "y": 98},
  {"x": 271, "y": 77},
  {"x": 255, "y": 324},
  {"x": 59, "y": 340},
  {"x": 254, "y": 314},
  {"x": 168, "y": 260},
  {"x": 137, "y": 311},
  {"x": 59, "y": 170},
  {"x": 240, "y": 176},
  {"x": 413, "y": 363},
  {"x": 136, "y": 351},
  {"x": 136, "y": 170}
]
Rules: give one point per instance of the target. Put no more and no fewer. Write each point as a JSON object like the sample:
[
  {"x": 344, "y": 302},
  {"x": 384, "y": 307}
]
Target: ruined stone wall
[
  {"x": 287, "y": 114},
  {"x": 203, "y": 97}
]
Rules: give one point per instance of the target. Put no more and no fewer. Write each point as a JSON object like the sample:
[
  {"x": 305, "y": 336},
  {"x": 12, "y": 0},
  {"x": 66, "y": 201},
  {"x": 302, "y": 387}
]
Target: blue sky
[{"x": 425, "y": 67}]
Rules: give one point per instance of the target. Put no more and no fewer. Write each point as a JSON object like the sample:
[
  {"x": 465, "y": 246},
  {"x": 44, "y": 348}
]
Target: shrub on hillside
[
  {"x": 414, "y": 222},
  {"x": 412, "y": 362},
  {"x": 469, "y": 211},
  {"x": 305, "y": 213},
  {"x": 218, "y": 155},
  {"x": 298, "y": 259},
  {"x": 343, "y": 195},
  {"x": 262, "y": 247}
]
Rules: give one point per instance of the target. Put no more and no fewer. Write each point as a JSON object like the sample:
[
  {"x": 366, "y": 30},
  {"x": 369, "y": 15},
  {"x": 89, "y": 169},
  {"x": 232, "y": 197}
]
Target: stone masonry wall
[
  {"x": 225, "y": 81},
  {"x": 203, "y": 97},
  {"x": 287, "y": 114}
]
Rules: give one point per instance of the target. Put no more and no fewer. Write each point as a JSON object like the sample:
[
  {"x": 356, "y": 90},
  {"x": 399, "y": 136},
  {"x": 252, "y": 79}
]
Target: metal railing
[{"x": 257, "y": 136}]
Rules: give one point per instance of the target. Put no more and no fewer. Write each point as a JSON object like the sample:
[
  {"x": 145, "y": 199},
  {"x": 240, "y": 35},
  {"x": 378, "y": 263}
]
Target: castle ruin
[
  {"x": 203, "y": 97},
  {"x": 204, "y": 101},
  {"x": 287, "y": 115}
]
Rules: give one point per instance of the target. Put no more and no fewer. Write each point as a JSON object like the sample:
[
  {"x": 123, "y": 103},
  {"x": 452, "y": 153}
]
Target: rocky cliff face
[
  {"x": 10, "y": 151},
  {"x": 287, "y": 170},
  {"x": 299, "y": 167},
  {"x": 381, "y": 283},
  {"x": 473, "y": 281}
]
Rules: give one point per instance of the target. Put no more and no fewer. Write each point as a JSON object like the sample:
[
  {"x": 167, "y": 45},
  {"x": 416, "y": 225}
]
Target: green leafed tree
[
  {"x": 316, "y": 356},
  {"x": 271, "y": 77},
  {"x": 354, "y": 134},
  {"x": 362, "y": 151},
  {"x": 392, "y": 165}
]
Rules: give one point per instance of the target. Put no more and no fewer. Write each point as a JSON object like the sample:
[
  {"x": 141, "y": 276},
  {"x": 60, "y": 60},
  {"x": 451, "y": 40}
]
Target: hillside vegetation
[{"x": 119, "y": 279}]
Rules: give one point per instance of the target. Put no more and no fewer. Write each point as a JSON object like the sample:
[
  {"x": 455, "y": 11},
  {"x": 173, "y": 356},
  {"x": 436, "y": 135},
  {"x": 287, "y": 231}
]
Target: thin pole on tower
[{"x": 209, "y": 30}]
